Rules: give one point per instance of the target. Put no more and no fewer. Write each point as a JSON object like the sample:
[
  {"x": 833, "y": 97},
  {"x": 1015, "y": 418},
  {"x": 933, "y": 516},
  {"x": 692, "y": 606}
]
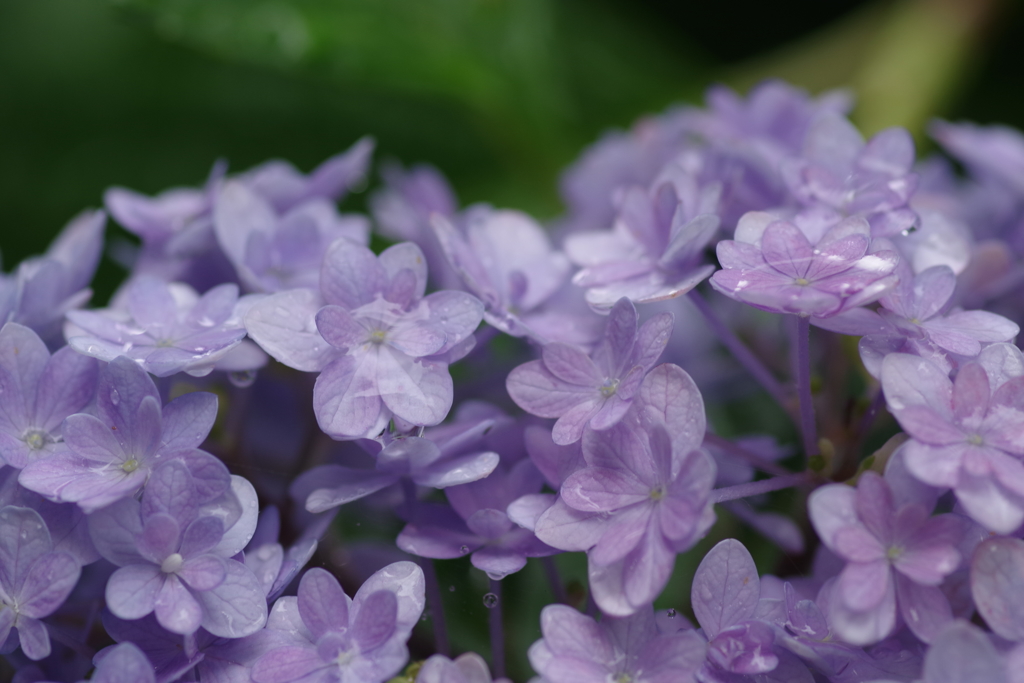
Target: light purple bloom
[
  {"x": 911, "y": 319},
  {"x": 967, "y": 433},
  {"x": 110, "y": 455},
  {"x": 656, "y": 248},
  {"x": 274, "y": 252},
  {"x": 505, "y": 259},
  {"x": 575, "y": 648},
  {"x": 348, "y": 640},
  {"x": 805, "y": 267},
  {"x": 444, "y": 456},
  {"x": 124, "y": 663},
  {"x": 165, "y": 328},
  {"x": 594, "y": 390},
  {"x": 842, "y": 174},
  {"x": 382, "y": 347},
  {"x": 174, "y": 557},
  {"x": 896, "y": 555},
  {"x": 44, "y": 288},
  {"x": 37, "y": 391},
  {"x": 34, "y": 579},
  {"x": 991, "y": 152},
  {"x": 643, "y": 497},
  {"x": 997, "y": 580},
  {"x": 468, "y": 667}
]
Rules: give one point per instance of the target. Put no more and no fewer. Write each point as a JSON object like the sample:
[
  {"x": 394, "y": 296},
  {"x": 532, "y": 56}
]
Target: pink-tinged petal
[
  {"x": 963, "y": 653},
  {"x": 571, "y": 364},
  {"x": 50, "y": 580},
  {"x": 786, "y": 249},
  {"x": 176, "y": 609},
  {"x": 346, "y": 399},
  {"x": 925, "y": 609},
  {"x": 540, "y": 393},
  {"x": 351, "y": 275},
  {"x": 567, "y": 529},
  {"x": 989, "y": 504},
  {"x": 203, "y": 573},
  {"x": 833, "y": 508},
  {"x": 875, "y": 506},
  {"x": 287, "y": 664},
  {"x": 997, "y": 580},
  {"x": 339, "y": 329},
  {"x": 237, "y": 607},
  {"x": 863, "y": 586},
  {"x": 132, "y": 590},
  {"x": 599, "y": 489},
  {"x": 416, "y": 390},
  {"x": 284, "y": 326},
  {"x": 725, "y": 588},
  {"x": 866, "y": 627},
  {"x": 913, "y": 381},
  {"x": 971, "y": 394},
  {"x": 857, "y": 544},
  {"x": 927, "y": 426},
  {"x": 623, "y": 531},
  {"x": 670, "y": 396},
  {"x": 322, "y": 603},
  {"x": 934, "y": 465}
]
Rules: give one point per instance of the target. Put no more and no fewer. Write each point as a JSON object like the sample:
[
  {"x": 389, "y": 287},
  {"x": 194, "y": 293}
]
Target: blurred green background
[{"x": 500, "y": 94}]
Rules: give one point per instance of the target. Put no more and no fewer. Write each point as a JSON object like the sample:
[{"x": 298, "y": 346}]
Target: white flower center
[
  {"x": 36, "y": 439},
  {"x": 172, "y": 563}
]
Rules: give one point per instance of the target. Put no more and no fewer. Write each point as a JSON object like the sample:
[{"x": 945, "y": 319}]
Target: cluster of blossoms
[{"x": 172, "y": 463}]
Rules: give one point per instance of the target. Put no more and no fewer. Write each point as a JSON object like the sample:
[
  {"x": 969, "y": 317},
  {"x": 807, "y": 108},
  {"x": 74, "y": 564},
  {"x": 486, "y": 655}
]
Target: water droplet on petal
[
  {"x": 490, "y": 601},
  {"x": 671, "y": 614},
  {"x": 464, "y": 549},
  {"x": 242, "y": 378},
  {"x": 115, "y": 397}
]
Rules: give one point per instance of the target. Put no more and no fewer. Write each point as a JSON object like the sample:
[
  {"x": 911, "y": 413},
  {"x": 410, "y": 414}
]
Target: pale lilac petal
[
  {"x": 351, "y": 275},
  {"x": 160, "y": 537},
  {"x": 647, "y": 569},
  {"x": 928, "y": 426},
  {"x": 238, "y": 509},
  {"x": 114, "y": 529},
  {"x": 287, "y": 664},
  {"x": 340, "y": 485},
  {"x": 864, "y": 628},
  {"x": 35, "y": 640},
  {"x": 404, "y": 579},
  {"x": 725, "y": 587},
  {"x": 457, "y": 471},
  {"x": 50, "y": 580},
  {"x": 284, "y": 325},
  {"x": 187, "y": 420},
  {"x": 997, "y": 580},
  {"x": 623, "y": 532},
  {"x": 567, "y": 529},
  {"x": 171, "y": 491},
  {"x": 571, "y": 364},
  {"x": 346, "y": 398},
  {"x": 339, "y": 328},
  {"x": 322, "y": 603},
  {"x": 132, "y": 590},
  {"x": 203, "y": 573},
  {"x": 863, "y": 586},
  {"x": 375, "y": 620},
  {"x": 540, "y": 393},
  {"x": 237, "y": 607},
  {"x": 568, "y": 633},
  {"x": 24, "y": 540},
  {"x": 175, "y": 607},
  {"x": 962, "y": 653},
  {"x": 832, "y": 508},
  {"x": 913, "y": 381},
  {"x": 990, "y": 504},
  {"x": 925, "y": 609},
  {"x": 65, "y": 387},
  {"x": 669, "y": 395},
  {"x": 458, "y": 314},
  {"x": 89, "y": 438},
  {"x": 599, "y": 489},
  {"x": 123, "y": 663},
  {"x": 934, "y": 465},
  {"x": 416, "y": 390}
]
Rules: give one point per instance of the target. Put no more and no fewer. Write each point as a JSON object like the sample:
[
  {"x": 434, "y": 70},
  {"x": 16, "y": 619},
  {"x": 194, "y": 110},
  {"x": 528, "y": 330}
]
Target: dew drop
[
  {"x": 464, "y": 549},
  {"x": 671, "y": 614},
  {"x": 909, "y": 231},
  {"x": 115, "y": 397},
  {"x": 451, "y": 589},
  {"x": 242, "y": 378},
  {"x": 490, "y": 601}
]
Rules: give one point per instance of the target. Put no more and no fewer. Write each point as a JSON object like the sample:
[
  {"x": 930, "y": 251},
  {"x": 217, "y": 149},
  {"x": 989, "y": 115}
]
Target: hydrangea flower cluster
[{"x": 490, "y": 396}]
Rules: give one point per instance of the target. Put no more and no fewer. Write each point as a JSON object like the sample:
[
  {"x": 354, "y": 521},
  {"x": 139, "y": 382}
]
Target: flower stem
[
  {"x": 803, "y": 383},
  {"x": 739, "y": 350},
  {"x": 753, "y": 459},
  {"x": 756, "y": 488},
  {"x": 497, "y": 629}
]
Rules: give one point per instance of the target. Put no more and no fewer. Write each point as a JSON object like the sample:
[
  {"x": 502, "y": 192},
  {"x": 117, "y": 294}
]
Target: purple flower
[
  {"x": 805, "y": 268},
  {"x": 466, "y": 668},
  {"x": 44, "y": 288},
  {"x": 995, "y": 152},
  {"x": 911, "y": 320},
  {"x": 838, "y": 172},
  {"x": 966, "y": 434},
  {"x": 505, "y": 259},
  {"x": 173, "y": 552},
  {"x": 37, "y": 391},
  {"x": 165, "y": 328},
  {"x": 272, "y": 252},
  {"x": 595, "y": 390},
  {"x": 110, "y": 455},
  {"x": 445, "y": 456},
  {"x": 34, "y": 579},
  {"x": 124, "y": 663},
  {"x": 349, "y": 640},
  {"x": 576, "y": 648},
  {"x": 382, "y": 346},
  {"x": 643, "y": 497},
  {"x": 896, "y": 557},
  {"x": 655, "y": 250},
  {"x": 997, "y": 579}
]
